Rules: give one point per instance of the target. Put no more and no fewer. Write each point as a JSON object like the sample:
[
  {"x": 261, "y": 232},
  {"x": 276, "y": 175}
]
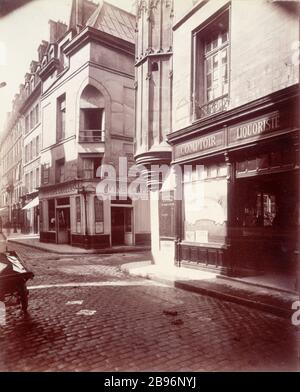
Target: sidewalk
[
  {"x": 256, "y": 296},
  {"x": 33, "y": 241}
]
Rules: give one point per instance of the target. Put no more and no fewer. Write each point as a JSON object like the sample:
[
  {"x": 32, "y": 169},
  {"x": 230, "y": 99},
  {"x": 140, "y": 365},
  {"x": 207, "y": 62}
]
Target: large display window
[{"x": 205, "y": 204}]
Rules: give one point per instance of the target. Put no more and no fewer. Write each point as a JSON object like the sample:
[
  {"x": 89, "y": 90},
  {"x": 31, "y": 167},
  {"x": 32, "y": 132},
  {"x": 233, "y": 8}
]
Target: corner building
[
  {"x": 87, "y": 109},
  {"x": 219, "y": 98}
]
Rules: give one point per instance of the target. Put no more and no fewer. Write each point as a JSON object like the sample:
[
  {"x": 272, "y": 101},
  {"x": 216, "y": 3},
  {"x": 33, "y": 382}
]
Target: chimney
[
  {"x": 57, "y": 30},
  {"x": 77, "y": 15}
]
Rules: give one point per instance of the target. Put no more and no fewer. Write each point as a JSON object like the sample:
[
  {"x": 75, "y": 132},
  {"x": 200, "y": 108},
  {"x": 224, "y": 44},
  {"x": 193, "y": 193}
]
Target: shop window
[
  {"x": 204, "y": 209},
  {"x": 60, "y": 171},
  {"x": 211, "y": 76},
  {"x": 78, "y": 214},
  {"x": 99, "y": 215},
  {"x": 258, "y": 209},
  {"x": 41, "y": 215},
  {"x": 276, "y": 159},
  {"x": 61, "y": 118},
  {"x": 90, "y": 166},
  {"x": 51, "y": 214},
  {"x": 263, "y": 162},
  {"x": 63, "y": 201}
]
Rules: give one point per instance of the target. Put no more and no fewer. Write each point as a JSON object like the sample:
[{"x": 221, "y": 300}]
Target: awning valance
[{"x": 33, "y": 203}]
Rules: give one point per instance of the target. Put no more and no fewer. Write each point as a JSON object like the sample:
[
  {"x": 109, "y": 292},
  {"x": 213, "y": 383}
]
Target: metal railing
[
  {"x": 92, "y": 136},
  {"x": 217, "y": 105}
]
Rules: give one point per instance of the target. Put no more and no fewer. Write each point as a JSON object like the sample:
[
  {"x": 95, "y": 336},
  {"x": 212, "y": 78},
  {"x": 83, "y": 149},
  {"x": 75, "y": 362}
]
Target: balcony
[
  {"x": 92, "y": 136},
  {"x": 215, "y": 106},
  {"x": 91, "y": 141}
]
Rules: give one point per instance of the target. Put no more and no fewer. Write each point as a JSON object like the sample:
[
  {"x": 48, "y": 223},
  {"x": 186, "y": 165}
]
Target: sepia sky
[{"x": 20, "y": 35}]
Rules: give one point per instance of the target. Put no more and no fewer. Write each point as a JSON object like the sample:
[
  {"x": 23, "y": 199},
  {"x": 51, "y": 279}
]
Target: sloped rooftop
[{"x": 114, "y": 21}]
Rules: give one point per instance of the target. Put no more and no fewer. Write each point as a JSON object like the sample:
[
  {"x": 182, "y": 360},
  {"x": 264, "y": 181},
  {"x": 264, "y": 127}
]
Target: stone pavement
[
  {"x": 33, "y": 241},
  {"x": 85, "y": 314}
]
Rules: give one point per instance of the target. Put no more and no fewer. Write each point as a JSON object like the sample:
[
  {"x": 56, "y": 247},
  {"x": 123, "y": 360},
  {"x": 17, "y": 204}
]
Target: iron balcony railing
[
  {"x": 92, "y": 136},
  {"x": 217, "y": 105}
]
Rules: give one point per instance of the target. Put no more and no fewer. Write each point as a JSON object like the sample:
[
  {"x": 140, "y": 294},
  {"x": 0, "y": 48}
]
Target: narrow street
[{"x": 87, "y": 315}]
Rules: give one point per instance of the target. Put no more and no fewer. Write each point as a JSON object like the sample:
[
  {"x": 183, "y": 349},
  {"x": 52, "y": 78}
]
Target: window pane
[
  {"x": 208, "y": 81},
  {"x": 224, "y": 56},
  {"x": 215, "y": 61},
  {"x": 224, "y": 37},
  {"x": 78, "y": 209},
  {"x": 98, "y": 210},
  {"x": 51, "y": 214}
]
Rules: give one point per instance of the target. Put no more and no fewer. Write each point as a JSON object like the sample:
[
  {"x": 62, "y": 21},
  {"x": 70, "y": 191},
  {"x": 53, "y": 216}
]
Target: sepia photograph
[{"x": 149, "y": 189}]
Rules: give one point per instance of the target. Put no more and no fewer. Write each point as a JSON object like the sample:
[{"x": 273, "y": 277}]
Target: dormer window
[
  {"x": 64, "y": 61},
  {"x": 51, "y": 53},
  {"x": 32, "y": 84},
  {"x": 44, "y": 62}
]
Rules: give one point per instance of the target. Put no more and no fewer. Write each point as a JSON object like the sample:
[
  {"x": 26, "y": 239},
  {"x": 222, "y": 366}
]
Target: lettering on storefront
[
  {"x": 254, "y": 128},
  {"x": 200, "y": 145}
]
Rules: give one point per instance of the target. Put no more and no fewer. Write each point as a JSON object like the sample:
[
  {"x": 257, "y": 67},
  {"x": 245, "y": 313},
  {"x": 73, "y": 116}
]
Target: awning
[{"x": 33, "y": 203}]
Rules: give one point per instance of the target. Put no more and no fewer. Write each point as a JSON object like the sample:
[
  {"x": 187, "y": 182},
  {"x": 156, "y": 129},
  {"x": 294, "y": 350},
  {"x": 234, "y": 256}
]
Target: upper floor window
[
  {"x": 60, "y": 171},
  {"x": 37, "y": 114},
  {"x": 61, "y": 118},
  {"x": 63, "y": 59},
  {"x": 45, "y": 174},
  {"x": 92, "y": 119},
  {"x": 211, "y": 76},
  {"x": 26, "y": 123},
  {"x": 90, "y": 166}
]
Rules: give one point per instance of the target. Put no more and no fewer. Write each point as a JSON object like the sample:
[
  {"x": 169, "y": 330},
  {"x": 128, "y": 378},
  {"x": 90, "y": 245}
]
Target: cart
[{"x": 13, "y": 277}]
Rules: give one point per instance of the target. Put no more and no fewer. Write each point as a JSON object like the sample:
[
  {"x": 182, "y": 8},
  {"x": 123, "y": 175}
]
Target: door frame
[{"x": 132, "y": 221}]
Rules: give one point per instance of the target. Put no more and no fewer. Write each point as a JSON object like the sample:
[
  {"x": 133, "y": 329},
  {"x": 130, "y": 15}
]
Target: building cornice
[
  {"x": 49, "y": 68},
  {"x": 185, "y": 17},
  {"x": 90, "y": 34},
  {"x": 153, "y": 56},
  {"x": 218, "y": 121}
]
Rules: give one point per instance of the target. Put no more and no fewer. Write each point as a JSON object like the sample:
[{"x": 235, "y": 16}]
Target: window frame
[{"x": 198, "y": 67}]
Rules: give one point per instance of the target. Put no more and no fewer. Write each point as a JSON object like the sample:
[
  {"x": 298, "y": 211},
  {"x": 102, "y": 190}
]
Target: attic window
[{"x": 154, "y": 66}]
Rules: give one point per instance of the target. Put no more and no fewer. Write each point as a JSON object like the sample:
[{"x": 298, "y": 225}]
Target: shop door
[
  {"x": 63, "y": 225},
  {"x": 267, "y": 213},
  {"x": 117, "y": 226}
]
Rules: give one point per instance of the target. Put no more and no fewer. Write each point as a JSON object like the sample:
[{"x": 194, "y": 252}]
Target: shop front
[
  {"x": 239, "y": 213},
  {"x": 72, "y": 213}
]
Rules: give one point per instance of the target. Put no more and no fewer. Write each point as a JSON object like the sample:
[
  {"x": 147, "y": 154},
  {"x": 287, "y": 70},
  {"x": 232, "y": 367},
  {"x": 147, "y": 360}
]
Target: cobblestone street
[{"x": 87, "y": 315}]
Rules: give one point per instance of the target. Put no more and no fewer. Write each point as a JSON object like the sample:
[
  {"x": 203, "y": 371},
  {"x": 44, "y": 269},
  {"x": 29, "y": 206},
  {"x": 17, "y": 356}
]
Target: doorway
[
  {"x": 121, "y": 226},
  {"x": 63, "y": 225},
  {"x": 267, "y": 220}
]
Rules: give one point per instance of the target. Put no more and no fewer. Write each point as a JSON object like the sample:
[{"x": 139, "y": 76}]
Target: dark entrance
[
  {"x": 63, "y": 225},
  {"x": 266, "y": 221},
  {"x": 117, "y": 226}
]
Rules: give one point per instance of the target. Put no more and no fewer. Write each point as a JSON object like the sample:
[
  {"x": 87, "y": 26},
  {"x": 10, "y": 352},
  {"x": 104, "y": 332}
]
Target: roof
[{"x": 114, "y": 21}]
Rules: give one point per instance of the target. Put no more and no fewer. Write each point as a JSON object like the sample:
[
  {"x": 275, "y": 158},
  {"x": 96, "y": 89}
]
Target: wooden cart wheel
[{"x": 23, "y": 292}]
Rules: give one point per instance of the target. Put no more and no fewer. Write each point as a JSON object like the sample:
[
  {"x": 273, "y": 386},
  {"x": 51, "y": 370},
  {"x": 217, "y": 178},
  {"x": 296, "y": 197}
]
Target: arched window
[{"x": 92, "y": 116}]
